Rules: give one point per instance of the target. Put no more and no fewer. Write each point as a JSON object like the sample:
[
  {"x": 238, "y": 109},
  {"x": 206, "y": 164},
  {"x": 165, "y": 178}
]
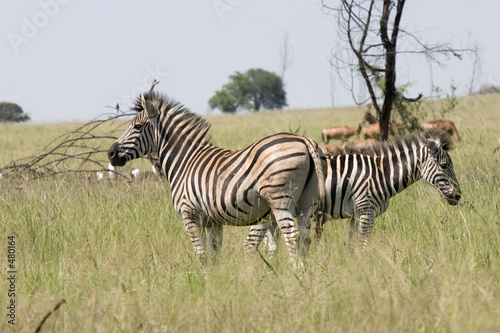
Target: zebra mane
[
  {"x": 192, "y": 124},
  {"x": 441, "y": 138}
]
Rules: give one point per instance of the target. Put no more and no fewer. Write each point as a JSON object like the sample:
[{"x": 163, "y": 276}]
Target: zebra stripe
[
  {"x": 359, "y": 187},
  {"x": 212, "y": 186}
]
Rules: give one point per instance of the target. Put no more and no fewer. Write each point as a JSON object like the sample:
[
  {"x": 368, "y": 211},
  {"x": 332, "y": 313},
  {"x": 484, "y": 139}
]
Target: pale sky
[{"x": 65, "y": 60}]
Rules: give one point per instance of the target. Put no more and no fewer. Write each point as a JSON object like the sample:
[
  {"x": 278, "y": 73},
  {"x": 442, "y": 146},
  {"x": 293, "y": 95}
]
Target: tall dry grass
[{"x": 118, "y": 254}]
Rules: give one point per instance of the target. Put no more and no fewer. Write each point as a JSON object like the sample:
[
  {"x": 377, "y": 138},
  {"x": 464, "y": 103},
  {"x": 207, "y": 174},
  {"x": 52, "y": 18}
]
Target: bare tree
[
  {"x": 286, "y": 56},
  {"x": 476, "y": 71},
  {"x": 332, "y": 89},
  {"x": 369, "y": 33}
]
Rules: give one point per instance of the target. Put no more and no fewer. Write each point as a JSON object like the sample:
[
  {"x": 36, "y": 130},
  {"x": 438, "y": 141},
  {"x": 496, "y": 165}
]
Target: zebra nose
[
  {"x": 113, "y": 151},
  {"x": 114, "y": 157}
]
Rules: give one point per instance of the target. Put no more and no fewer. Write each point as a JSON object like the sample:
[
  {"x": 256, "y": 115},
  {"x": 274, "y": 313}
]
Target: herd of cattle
[{"x": 371, "y": 135}]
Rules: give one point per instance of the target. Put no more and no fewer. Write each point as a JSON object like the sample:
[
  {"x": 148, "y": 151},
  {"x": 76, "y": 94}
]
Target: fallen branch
[
  {"x": 81, "y": 145},
  {"x": 49, "y": 314}
]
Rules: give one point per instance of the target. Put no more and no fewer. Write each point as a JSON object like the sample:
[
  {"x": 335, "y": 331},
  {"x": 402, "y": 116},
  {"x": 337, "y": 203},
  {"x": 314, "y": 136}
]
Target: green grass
[{"x": 118, "y": 254}]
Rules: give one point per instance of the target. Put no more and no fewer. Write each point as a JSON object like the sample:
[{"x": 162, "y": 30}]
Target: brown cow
[
  {"x": 366, "y": 147},
  {"x": 369, "y": 118},
  {"x": 331, "y": 150},
  {"x": 372, "y": 131},
  {"x": 394, "y": 128},
  {"x": 446, "y": 125},
  {"x": 339, "y": 133}
]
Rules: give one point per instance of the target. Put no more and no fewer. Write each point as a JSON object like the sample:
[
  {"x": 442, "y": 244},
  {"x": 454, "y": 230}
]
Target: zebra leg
[
  {"x": 271, "y": 239},
  {"x": 284, "y": 219},
  {"x": 214, "y": 233},
  {"x": 320, "y": 221},
  {"x": 255, "y": 237},
  {"x": 352, "y": 233},
  {"x": 365, "y": 224},
  {"x": 192, "y": 224},
  {"x": 304, "y": 222},
  {"x": 306, "y": 208},
  {"x": 267, "y": 232}
]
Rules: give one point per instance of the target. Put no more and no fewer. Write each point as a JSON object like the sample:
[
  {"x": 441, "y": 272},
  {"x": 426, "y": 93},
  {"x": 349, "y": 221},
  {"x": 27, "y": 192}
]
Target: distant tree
[
  {"x": 233, "y": 95},
  {"x": 254, "y": 89},
  {"x": 488, "y": 89},
  {"x": 11, "y": 112},
  {"x": 224, "y": 101}
]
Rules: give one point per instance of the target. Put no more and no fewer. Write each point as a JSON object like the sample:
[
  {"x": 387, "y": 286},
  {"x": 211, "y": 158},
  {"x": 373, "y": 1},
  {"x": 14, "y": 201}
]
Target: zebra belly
[
  {"x": 242, "y": 212},
  {"x": 342, "y": 210}
]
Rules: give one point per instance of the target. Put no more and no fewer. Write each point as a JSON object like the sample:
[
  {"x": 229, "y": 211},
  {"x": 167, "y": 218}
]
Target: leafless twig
[{"x": 49, "y": 314}]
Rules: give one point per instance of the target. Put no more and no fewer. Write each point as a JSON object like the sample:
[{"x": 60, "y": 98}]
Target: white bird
[
  {"x": 111, "y": 174},
  {"x": 155, "y": 171},
  {"x": 100, "y": 176},
  {"x": 136, "y": 173}
]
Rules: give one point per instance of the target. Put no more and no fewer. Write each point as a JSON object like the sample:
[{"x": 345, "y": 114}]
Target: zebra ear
[
  {"x": 431, "y": 145},
  {"x": 423, "y": 138},
  {"x": 148, "y": 106}
]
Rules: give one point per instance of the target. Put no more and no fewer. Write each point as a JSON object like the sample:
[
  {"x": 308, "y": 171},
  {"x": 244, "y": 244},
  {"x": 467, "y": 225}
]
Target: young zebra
[
  {"x": 359, "y": 186},
  {"x": 212, "y": 186}
]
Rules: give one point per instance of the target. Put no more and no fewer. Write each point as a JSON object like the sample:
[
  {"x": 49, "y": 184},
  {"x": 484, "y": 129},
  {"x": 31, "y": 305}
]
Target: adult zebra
[
  {"x": 359, "y": 186},
  {"x": 212, "y": 186}
]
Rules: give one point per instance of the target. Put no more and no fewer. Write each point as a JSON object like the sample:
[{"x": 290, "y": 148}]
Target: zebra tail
[{"x": 320, "y": 165}]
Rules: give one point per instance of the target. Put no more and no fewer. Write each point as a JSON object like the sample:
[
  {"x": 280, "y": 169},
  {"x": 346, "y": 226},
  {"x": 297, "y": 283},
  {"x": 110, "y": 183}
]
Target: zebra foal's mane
[
  {"x": 441, "y": 138},
  {"x": 189, "y": 123}
]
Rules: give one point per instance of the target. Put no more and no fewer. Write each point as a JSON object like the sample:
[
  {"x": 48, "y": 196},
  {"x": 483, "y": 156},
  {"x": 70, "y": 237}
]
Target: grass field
[{"x": 118, "y": 253}]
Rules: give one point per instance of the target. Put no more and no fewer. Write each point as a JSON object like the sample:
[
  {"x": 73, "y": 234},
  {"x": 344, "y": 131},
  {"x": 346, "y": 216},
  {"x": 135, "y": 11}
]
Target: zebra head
[
  {"x": 139, "y": 138},
  {"x": 437, "y": 167}
]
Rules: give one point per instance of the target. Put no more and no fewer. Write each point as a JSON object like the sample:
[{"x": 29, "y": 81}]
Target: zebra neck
[
  {"x": 402, "y": 168},
  {"x": 175, "y": 158},
  {"x": 181, "y": 135}
]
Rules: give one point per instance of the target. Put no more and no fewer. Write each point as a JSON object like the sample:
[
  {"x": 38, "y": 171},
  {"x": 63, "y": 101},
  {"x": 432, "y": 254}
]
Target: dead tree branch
[
  {"x": 82, "y": 150},
  {"x": 369, "y": 37},
  {"x": 49, "y": 314},
  {"x": 78, "y": 151}
]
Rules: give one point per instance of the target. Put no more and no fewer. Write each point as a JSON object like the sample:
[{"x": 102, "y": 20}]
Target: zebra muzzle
[
  {"x": 114, "y": 156},
  {"x": 452, "y": 196}
]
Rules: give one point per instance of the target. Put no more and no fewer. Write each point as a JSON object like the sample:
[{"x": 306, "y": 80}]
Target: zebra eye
[{"x": 137, "y": 126}]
